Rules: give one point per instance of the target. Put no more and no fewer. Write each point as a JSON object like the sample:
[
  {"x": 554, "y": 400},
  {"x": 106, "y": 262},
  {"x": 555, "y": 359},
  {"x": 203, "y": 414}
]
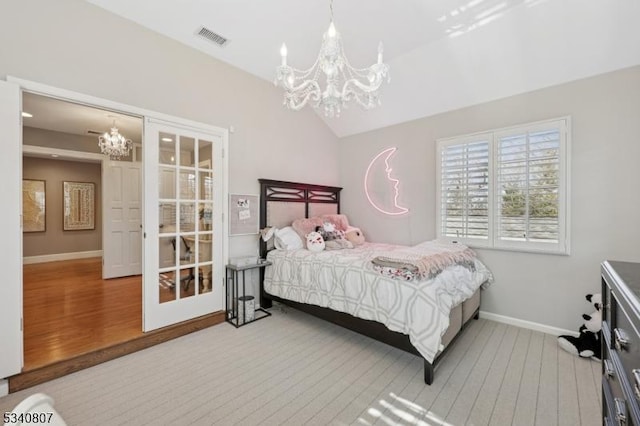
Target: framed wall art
[
  {"x": 79, "y": 206},
  {"x": 243, "y": 214},
  {"x": 33, "y": 205}
]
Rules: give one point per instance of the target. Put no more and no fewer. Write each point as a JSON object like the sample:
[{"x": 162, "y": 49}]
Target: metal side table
[{"x": 241, "y": 308}]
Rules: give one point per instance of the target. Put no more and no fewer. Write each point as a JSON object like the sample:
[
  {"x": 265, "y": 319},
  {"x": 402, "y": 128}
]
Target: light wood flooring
[
  {"x": 295, "y": 369},
  {"x": 70, "y": 310}
]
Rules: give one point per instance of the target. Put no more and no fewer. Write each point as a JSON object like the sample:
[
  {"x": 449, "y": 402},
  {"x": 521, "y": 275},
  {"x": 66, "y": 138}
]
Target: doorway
[
  {"x": 176, "y": 317},
  {"x": 82, "y": 246}
]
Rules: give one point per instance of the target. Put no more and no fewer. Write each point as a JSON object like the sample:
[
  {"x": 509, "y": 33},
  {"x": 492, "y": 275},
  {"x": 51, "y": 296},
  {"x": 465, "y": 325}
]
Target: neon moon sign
[{"x": 377, "y": 165}]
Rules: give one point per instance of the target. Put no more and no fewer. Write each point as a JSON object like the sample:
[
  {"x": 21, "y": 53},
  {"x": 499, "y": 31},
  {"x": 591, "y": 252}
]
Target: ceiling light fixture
[
  {"x": 343, "y": 82},
  {"x": 26, "y": 114},
  {"x": 114, "y": 144}
]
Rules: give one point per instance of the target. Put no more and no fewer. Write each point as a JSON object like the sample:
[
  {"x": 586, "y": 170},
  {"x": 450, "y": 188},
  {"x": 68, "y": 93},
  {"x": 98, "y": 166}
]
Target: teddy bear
[{"x": 589, "y": 341}]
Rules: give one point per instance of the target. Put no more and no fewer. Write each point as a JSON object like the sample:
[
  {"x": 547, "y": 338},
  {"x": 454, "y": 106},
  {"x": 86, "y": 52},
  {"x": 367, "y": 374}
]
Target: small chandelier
[
  {"x": 343, "y": 82},
  {"x": 114, "y": 144}
]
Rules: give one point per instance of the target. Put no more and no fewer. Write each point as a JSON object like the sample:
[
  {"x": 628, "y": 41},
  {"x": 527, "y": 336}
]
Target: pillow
[
  {"x": 339, "y": 220},
  {"x": 287, "y": 239},
  {"x": 305, "y": 226},
  {"x": 338, "y": 244}
]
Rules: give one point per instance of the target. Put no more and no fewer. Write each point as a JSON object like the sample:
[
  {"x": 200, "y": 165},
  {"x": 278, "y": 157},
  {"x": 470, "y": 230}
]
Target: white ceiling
[{"x": 443, "y": 54}]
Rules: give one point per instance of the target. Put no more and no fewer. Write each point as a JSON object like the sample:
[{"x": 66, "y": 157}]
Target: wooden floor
[
  {"x": 69, "y": 310},
  {"x": 295, "y": 369}
]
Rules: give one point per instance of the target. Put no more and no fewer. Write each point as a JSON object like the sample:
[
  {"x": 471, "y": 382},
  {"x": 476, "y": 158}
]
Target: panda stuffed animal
[{"x": 589, "y": 341}]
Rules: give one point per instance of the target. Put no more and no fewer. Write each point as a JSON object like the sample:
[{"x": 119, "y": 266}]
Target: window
[{"x": 507, "y": 188}]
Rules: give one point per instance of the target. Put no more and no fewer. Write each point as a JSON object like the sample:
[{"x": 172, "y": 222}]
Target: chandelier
[
  {"x": 114, "y": 144},
  {"x": 343, "y": 82}
]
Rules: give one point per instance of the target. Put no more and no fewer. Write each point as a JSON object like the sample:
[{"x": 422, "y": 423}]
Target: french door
[{"x": 184, "y": 201}]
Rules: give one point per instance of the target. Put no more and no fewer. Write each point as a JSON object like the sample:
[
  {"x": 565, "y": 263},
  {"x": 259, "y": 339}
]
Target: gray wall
[
  {"x": 65, "y": 44},
  {"x": 54, "y": 240},
  {"x": 605, "y": 199}
]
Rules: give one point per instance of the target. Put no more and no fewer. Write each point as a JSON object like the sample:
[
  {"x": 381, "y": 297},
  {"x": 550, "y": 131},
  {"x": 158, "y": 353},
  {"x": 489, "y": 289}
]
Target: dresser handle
[
  {"x": 621, "y": 339},
  {"x": 608, "y": 368},
  {"x": 621, "y": 411},
  {"x": 636, "y": 386}
]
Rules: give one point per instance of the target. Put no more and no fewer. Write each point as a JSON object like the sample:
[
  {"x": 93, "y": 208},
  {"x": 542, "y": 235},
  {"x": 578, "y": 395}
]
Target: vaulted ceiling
[{"x": 443, "y": 54}]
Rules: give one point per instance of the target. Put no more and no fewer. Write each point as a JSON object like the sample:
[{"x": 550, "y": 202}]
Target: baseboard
[
  {"x": 61, "y": 256},
  {"x": 4, "y": 387},
  {"x": 527, "y": 324}
]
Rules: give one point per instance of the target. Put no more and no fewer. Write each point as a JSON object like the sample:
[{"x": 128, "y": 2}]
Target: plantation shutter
[
  {"x": 464, "y": 190},
  {"x": 528, "y": 186}
]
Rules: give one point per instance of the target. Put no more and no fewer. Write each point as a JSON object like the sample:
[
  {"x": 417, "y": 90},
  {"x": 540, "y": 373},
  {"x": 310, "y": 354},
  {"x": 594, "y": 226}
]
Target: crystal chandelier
[
  {"x": 343, "y": 82},
  {"x": 114, "y": 144}
]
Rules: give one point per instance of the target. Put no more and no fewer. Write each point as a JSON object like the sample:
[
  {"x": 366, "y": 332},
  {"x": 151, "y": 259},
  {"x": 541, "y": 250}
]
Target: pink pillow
[
  {"x": 306, "y": 225},
  {"x": 339, "y": 220}
]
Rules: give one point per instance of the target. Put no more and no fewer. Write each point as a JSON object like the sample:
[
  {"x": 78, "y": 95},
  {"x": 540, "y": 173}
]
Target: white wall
[
  {"x": 77, "y": 46},
  {"x": 605, "y": 199}
]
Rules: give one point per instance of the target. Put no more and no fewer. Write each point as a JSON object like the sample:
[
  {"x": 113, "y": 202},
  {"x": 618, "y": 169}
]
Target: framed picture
[
  {"x": 79, "y": 206},
  {"x": 33, "y": 205},
  {"x": 243, "y": 214}
]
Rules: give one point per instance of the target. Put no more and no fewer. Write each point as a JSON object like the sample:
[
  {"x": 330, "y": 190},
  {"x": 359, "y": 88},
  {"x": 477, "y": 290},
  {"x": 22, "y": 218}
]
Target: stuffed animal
[
  {"x": 315, "y": 242},
  {"x": 589, "y": 341},
  {"x": 329, "y": 232},
  {"x": 593, "y": 322},
  {"x": 354, "y": 235},
  {"x": 586, "y": 345}
]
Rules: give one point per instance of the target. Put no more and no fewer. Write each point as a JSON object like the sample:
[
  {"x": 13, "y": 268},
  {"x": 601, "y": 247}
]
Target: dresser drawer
[
  {"x": 614, "y": 409},
  {"x": 621, "y": 342},
  {"x": 626, "y": 342},
  {"x": 617, "y": 406}
]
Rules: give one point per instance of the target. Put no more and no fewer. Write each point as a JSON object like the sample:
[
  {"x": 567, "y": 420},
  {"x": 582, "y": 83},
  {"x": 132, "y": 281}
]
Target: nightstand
[{"x": 241, "y": 308}]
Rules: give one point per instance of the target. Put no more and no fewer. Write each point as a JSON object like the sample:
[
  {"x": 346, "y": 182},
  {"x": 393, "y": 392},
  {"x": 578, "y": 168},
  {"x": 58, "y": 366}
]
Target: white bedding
[{"x": 345, "y": 281}]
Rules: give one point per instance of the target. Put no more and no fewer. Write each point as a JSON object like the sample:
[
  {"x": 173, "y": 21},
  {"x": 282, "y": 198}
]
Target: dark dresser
[{"x": 621, "y": 343}]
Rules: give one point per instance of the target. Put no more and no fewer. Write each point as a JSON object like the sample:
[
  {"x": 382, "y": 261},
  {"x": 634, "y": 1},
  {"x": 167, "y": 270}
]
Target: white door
[
  {"x": 122, "y": 219},
  {"x": 10, "y": 217},
  {"x": 183, "y": 194}
]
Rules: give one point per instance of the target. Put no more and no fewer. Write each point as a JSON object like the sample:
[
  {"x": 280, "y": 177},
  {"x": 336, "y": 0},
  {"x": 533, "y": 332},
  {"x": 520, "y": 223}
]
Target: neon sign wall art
[{"x": 379, "y": 166}]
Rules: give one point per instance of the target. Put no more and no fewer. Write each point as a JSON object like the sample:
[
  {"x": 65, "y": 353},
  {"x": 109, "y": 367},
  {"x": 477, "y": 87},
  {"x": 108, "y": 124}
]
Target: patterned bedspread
[{"x": 345, "y": 281}]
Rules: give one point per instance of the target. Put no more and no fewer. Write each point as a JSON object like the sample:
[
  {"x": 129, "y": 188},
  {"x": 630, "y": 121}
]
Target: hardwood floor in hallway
[{"x": 70, "y": 310}]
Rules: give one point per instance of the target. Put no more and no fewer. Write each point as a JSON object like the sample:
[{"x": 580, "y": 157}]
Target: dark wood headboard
[{"x": 283, "y": 193}]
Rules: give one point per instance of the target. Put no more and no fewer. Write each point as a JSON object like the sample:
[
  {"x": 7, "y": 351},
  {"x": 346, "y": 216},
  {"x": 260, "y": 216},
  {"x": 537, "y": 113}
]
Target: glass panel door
[{"x": 184, "y": 235}]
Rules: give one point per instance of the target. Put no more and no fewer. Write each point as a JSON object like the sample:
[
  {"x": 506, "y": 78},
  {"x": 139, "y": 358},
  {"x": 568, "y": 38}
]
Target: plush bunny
[{"x": 354, "y": 235}]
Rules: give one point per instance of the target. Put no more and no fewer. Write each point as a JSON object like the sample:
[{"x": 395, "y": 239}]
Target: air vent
[
  {"x": 94, "y": 132},
  {"x": 207, "y": 34}
]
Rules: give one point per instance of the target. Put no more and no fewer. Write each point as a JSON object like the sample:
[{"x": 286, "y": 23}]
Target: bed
[{"x": 421, "y": 316}]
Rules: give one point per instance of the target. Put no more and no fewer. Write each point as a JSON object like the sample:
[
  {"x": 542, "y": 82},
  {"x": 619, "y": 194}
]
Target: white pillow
[{"x": 287, "y": 239}]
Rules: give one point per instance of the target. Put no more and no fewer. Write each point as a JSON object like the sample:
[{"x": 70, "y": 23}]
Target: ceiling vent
[
  {"x": 94, "y": 132},
  {"x": 207, "y": 34}
]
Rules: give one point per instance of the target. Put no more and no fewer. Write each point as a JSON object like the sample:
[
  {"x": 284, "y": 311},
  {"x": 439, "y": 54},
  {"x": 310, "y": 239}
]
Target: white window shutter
[
  {"x": 528, "y": 187},
  {"x": 507, "y": 188},
  {"x": 464, "y": 190}
]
